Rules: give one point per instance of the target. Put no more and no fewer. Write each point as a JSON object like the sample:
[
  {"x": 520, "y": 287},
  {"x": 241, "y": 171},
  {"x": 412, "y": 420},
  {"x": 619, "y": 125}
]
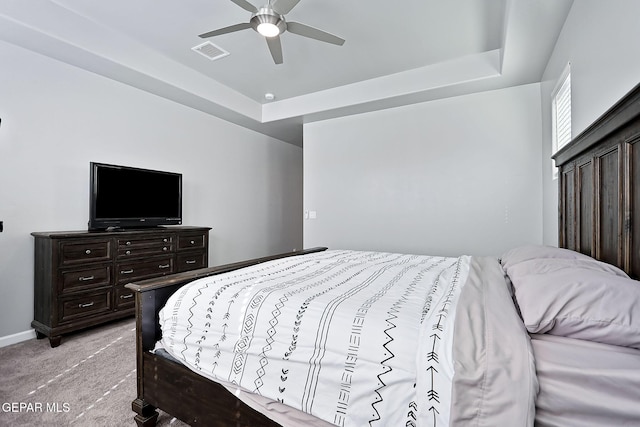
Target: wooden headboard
[{"x": 599, "y": 187}]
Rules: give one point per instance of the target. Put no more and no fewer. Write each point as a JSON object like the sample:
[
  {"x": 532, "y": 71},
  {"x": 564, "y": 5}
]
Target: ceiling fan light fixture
[
  {"x": 268, "y": 29},
  {"x": 268, "y": 23},
  {"x": 271, "y": 23}
]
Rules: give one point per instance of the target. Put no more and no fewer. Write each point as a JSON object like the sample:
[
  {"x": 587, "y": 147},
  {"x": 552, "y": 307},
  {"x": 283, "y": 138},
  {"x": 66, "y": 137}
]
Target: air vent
[{"x": 210, "y": 50}]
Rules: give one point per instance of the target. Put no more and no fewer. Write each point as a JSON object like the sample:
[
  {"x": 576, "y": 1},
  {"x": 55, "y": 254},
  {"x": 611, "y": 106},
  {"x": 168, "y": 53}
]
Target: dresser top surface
[{"x": 116, "y": 233}]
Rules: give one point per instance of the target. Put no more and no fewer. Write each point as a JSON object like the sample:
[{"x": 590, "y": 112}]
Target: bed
[{"x": 541, "y": 335}]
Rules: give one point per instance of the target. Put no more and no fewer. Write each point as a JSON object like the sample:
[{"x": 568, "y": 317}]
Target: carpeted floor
[{"x": 89, "y": 380}]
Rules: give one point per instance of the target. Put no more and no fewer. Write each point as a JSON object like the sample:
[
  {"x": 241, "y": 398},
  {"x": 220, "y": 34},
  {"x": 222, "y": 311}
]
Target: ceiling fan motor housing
[
  {"x": 266, "y": 15},
  {"x": 270, "y": 23}
]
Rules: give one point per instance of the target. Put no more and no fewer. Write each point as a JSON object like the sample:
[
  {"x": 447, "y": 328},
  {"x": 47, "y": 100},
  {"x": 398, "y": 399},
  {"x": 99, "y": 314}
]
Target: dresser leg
[
  {"x": 55, "y": 341},
  {"x": 40, "y": 335}
]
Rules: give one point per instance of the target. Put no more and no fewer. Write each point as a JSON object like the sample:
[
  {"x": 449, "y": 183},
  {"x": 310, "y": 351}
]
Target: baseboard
[{"x": 16, "y": 338}]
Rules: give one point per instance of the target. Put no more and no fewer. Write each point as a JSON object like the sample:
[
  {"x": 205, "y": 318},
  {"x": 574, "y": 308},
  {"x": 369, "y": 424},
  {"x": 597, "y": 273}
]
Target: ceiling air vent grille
[{"x": 210, "y": 51}]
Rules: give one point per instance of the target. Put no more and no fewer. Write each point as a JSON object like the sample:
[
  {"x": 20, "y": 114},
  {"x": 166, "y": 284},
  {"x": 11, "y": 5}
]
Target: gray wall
[
  {"x": 57, "y": 118},
  {"x": 602, "y": 42},
  {"x": 454, "y": 176}
]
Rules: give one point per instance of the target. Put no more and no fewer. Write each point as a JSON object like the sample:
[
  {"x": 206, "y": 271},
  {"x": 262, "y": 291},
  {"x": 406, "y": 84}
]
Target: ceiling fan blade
[
  {"x": 284, "y": 6},
  {"x": 275, "y": 47},
  {"x": 226, "y": 30},
  {"x": 313, "y": 33},
  {"x": 246, "y": 5}
]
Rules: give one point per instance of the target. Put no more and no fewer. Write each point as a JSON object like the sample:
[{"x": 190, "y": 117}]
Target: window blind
[{"x": 562, "y": 113}]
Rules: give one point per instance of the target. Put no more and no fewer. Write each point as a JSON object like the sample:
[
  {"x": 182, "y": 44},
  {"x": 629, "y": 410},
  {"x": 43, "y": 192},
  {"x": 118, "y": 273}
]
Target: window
[{"x": 561, "y": 112}]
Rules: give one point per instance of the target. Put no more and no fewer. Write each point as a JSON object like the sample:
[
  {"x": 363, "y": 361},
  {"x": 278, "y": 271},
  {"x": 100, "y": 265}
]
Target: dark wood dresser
[{"x": 80, "y": 276}]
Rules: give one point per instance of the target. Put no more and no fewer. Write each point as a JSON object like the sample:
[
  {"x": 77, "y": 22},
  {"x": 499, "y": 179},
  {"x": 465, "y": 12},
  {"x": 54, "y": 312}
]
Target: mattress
[{"x": 586, "y": 384}]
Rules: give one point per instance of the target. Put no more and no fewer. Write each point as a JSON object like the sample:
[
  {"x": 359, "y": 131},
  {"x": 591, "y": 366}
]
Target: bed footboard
[{"x": 167, "y": 385}]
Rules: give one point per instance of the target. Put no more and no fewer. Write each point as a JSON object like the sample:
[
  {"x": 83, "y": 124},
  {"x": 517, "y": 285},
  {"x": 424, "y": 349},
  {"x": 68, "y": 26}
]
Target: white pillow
[{"x": 578, "y": 298}]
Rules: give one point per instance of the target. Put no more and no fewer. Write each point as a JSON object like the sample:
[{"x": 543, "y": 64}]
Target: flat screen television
[{"x": 127, "y": 197}]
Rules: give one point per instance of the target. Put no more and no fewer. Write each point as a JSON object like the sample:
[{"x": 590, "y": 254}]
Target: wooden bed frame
[
  {"x": 598, "y": 205},
  {"x": 598, "y": 199}
]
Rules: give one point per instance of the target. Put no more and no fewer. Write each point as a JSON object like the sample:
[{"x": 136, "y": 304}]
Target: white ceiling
[{"x": 395, "y": 53}]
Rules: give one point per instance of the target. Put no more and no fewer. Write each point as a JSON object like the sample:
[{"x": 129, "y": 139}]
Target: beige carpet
[{"x": 89, "y": 380}]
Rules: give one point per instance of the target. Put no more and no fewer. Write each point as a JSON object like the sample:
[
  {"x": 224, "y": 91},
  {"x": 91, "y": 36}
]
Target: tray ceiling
[{"x": 395, "y": 53}]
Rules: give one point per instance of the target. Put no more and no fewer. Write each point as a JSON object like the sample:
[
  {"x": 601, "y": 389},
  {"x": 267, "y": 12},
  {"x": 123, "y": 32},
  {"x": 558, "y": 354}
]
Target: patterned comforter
[{"x": 353, "y": 338}]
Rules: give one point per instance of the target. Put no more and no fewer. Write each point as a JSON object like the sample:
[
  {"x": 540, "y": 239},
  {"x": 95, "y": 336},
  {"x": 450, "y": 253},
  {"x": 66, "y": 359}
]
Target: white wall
[
  {"x": 453, "y": 176},
  {"x": 602, "y": 42},
  {"x": 57, "y": 118}
]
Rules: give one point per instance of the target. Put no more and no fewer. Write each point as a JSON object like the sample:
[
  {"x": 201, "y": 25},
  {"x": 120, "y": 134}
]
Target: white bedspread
[{"x": 353, "y": 338}]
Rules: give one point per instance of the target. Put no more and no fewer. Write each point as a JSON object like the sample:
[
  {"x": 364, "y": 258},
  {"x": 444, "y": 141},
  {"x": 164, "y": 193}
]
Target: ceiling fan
[{"x": 269, "y": 21}]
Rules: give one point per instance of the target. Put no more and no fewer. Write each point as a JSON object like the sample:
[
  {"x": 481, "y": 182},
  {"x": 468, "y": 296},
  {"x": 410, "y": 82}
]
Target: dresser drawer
[
  {"x": 194, "y": 241},
  {"x": 191, "y": 261},
  {"x": 85, "y": 250},
  {"x": 85, "y": 278},
  {"x": 127, "y": 272},
  {"x": 125, "y": 298},
  {"x": 145, "y": 246},
  {"x": 87, "y": 304}
]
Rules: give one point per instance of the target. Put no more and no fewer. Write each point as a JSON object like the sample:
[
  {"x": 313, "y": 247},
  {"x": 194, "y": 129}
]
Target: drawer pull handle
[
  {"x": 165, "y": 240},
  {"x": 128, "y": 243},
  {"x": 126, "y": 296},
  {"x": 84, "y": 279},
  {"x": 86, "y": 305},
  {"x": 88, "y": 251},
  {"x": 128, "y": 253},
  {"x": 126, "y": 271},
  {"x": 164, "y": 266},
  {"x": 190, "y": 261},
  {"x": 164, "y": 248},
  {"x": 193, "y": 242}
]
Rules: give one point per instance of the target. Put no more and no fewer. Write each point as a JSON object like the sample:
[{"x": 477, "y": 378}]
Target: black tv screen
[{"x": 127, "y": 197}]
